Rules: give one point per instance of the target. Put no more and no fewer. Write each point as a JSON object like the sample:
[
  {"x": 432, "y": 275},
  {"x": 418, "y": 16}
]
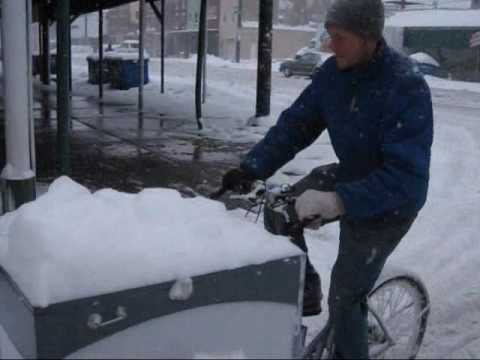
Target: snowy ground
[{"x": 442, "y": 246}]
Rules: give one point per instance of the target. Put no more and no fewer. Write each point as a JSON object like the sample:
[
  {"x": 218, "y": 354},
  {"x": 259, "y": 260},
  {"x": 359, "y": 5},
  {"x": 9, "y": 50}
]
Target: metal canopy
[{"x": 80, "y": 7}]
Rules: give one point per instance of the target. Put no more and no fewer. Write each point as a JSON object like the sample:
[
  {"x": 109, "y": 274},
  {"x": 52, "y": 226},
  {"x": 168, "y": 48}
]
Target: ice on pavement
[{"x": 71, "y": 243}]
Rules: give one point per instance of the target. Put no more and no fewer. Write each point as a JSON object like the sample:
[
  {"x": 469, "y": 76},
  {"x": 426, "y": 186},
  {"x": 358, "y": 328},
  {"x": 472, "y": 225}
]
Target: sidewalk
[{"x": 111, "y": 147}]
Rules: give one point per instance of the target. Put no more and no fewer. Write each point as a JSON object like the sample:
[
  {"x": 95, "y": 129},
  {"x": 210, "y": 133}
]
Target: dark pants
[{"x": 363, "y": 250}]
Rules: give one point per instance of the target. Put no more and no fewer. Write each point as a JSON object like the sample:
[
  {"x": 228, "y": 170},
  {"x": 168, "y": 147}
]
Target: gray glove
[{"x": 325, "y": 205}]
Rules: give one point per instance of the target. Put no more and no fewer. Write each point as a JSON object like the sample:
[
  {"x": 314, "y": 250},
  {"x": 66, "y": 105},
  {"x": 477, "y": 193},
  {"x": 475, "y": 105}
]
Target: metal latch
[{"x": 95, "y": 321}]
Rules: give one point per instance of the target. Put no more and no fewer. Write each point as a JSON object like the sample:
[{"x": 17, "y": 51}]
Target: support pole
[
  {"x": 264, "y": 68},
  {"x": 205, "y": 55},
  {"x": 239, "y": 31},
  {"x": 63, "y": 81},
  {"x": 160, "y": 14},
  {"x": 141, "y": 56},
  {"x": 45, "y": 57},
  {"x": 45, "y": 41},
  {"x": 200, "y": 60},
  {"x": 100, "y": 53},
  {"x": 162, "y": 49},
  {"x": 18, "y": 175}
]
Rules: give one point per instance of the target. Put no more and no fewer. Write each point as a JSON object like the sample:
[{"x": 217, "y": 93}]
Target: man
[{"x": 378, "y": 112}]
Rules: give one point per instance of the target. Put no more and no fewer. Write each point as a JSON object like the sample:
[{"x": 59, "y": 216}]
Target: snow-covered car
[
  {"x": 129, "y": 46},
  {"x": 304, "y": 64},
  {"x": 427, "y": 65}
]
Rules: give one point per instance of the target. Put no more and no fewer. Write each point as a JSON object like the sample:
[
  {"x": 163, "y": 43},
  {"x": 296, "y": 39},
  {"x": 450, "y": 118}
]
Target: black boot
[{"x": 312, "y": 294}]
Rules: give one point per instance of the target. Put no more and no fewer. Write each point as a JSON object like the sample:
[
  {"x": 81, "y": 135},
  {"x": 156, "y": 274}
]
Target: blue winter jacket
[{"x": 380, "y": 122}]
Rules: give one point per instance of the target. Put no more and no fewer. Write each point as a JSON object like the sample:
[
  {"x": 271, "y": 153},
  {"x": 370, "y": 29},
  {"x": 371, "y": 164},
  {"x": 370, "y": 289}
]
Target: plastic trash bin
[{"x": 125, "y": 71}]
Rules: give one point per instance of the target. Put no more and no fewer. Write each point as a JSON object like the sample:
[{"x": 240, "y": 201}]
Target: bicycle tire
[{"x": 414, "y": 289}]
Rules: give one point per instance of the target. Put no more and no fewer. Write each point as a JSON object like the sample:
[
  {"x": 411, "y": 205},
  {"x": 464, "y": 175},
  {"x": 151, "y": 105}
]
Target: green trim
[{"x": 438, "y": 38}]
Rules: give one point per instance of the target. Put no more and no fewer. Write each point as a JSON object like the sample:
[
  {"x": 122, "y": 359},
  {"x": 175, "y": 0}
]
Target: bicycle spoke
[{"x": 400, "y": 305}]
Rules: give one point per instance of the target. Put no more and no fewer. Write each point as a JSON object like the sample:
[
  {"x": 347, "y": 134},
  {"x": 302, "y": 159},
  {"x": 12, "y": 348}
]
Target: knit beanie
[{"x": 365, "y": 18}]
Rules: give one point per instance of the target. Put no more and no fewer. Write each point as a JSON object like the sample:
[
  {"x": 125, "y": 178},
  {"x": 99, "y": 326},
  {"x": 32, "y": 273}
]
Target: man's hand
[
  {"x": 237, "y": 180},
  {"x": 326, "y": 205}
]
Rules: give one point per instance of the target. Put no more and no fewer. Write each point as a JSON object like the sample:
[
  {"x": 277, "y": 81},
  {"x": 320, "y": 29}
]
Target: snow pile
[
  {"x": 70, "y": 243},
  {"x": 119, "y": 55}
]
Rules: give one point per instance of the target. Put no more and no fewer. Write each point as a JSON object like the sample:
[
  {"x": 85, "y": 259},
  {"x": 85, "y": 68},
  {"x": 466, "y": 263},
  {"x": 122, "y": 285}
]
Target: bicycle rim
[{"x": 403, "y": 305}]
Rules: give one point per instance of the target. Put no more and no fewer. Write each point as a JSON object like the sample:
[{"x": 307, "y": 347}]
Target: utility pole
[{"x": 264, "y": 68}]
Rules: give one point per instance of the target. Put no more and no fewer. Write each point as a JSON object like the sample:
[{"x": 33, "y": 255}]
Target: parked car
[
  {"x": 427, "y": 65},
  {"x": 128, "y": 47},
  {"x": 304, "y": 64}
]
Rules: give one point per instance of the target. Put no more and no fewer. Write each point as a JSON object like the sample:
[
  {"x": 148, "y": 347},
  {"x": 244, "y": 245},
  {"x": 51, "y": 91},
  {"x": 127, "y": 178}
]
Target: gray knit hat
[{"x": 363, "y": 17}]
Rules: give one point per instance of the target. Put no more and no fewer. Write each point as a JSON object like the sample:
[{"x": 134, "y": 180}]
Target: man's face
[{"x": 349, "y": 48}]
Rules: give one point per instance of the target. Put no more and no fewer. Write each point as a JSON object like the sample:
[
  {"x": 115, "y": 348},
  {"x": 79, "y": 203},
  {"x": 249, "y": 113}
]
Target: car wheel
[{"x": 287, "y": 72}]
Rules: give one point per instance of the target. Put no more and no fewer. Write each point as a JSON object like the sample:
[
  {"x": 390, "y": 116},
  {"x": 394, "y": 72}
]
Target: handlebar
[{"x": 278, "y": 203}]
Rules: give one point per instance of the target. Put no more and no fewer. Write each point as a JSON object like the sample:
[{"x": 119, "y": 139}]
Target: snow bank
[
  {"x": 70, "y": 243},
  {"x": 119, "y": 55}
]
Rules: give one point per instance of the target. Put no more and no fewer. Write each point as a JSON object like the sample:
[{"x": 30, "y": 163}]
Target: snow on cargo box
[{"x": 85, "y": 272}]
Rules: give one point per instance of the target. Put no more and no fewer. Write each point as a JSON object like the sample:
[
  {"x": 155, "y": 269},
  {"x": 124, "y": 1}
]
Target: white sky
[{"x": 442, "y": 246}]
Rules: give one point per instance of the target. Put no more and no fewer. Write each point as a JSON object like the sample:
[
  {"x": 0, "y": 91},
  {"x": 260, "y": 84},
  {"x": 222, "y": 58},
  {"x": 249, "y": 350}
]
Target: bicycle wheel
[{"x": 402, "y": 304}]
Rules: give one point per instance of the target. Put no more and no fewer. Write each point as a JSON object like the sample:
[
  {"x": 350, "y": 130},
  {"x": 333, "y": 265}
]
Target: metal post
[
  {"x": 162, "y": 60},
  {"x": 239, "y": 31},
  {"x": 205, "y": 54},
  {"x": 200, "y": 56},
  {"x": 264, "y": 69},
  {"x": 18, "y": 175},
  {"x": 70, "y": 72},
  {"x": 161, "y": 18},
  {"x": 45, "y": 58},
  {"x": 141, "y": 56},
  {"x": 63, "y": 80},
  {"x": 100, "y": 53},
  {"x": 85, "y": 30}
]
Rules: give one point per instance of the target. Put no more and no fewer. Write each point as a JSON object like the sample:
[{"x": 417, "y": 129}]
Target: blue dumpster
[
  {"x": 94, "y": 69},
  {"x": 125, "y": 71}
]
